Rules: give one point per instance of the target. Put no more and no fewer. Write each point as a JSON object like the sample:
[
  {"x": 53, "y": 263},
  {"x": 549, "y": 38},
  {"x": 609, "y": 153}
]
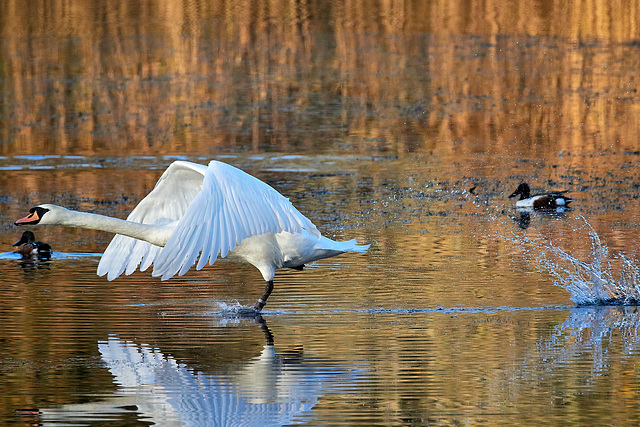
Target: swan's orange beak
[{"x": 32, "y": 218}]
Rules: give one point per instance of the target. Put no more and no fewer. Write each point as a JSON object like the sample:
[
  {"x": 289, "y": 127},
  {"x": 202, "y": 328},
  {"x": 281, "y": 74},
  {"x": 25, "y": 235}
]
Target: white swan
[{"x": 214, "y": 210}]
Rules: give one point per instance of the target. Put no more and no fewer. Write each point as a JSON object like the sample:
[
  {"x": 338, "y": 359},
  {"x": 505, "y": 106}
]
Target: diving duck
[
  {"x": 27, "y": 246},
  {"x": 544, "y": 201}
]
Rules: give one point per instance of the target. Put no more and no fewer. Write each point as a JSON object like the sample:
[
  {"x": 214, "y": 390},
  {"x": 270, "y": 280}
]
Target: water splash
[
  {"x": 237, "y": 310},
  {"x": 603, "y": 280}
]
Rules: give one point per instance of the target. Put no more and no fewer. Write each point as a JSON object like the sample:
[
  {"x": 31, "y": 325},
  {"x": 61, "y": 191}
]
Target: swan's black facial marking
[{"x": 34, "y": 217}]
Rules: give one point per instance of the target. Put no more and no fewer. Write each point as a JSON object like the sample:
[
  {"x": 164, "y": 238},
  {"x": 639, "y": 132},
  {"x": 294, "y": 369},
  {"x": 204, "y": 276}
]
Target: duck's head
[
  {"x": 43, "y": 214},
  {"x": 27, "y": 238},
  {"x": 523, "y": 190}
]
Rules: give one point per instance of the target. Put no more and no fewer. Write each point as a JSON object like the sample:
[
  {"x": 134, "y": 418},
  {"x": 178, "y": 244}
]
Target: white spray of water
[{"x": 603, "y": 279}]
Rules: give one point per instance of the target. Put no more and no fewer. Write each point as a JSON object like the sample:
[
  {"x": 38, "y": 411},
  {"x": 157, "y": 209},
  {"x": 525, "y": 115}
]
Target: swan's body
[{"x": 210, "y": 211}]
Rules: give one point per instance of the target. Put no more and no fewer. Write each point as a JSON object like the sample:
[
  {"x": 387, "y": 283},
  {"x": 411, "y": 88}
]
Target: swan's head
[{"x": 43, "y": 214}]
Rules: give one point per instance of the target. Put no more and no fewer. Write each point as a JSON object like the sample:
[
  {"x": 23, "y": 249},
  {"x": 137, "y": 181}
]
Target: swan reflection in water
[{"x": 270, "y": 389}]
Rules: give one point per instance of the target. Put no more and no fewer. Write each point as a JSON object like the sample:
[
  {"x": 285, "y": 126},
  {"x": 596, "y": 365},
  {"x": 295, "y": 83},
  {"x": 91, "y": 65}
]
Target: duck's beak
[
  {"x": 514, "y": 194},
  {"x": 19, "y": 242},
  {"x": 30, "y": 219}
]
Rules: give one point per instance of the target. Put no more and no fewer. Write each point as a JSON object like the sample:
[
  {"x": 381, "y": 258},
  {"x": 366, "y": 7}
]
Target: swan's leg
[{"x": 263, "y": 299}]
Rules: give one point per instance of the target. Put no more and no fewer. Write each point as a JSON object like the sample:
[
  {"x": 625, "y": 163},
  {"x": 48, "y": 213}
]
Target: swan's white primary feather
[
  {"x": 231, "y": 206},
  {"x": 213, "y": 208},
  {"x": 165, "y": 204}
]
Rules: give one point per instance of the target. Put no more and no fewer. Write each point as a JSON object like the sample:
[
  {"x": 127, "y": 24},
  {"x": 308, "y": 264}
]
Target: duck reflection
[{"x": 523, "y": 219}]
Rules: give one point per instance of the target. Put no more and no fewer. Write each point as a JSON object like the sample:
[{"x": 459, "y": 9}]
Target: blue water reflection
[{"x": 588, "y": 334}]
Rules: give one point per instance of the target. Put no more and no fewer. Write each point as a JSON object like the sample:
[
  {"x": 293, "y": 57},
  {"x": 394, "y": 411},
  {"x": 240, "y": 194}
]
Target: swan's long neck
[{"x": 154, "y": 234}]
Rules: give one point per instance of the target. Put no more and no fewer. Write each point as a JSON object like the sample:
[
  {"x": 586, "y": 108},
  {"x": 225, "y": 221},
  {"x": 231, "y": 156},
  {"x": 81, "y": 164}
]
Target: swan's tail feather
[
  {"x": 342, "y": 247},
  {"x": 353, "y": 246}
]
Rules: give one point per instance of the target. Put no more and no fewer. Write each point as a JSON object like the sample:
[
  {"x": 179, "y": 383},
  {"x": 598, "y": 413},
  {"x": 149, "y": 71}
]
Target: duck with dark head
[
  {"x": 543, "y": 201},
  {"x": 28, "y": 247}
]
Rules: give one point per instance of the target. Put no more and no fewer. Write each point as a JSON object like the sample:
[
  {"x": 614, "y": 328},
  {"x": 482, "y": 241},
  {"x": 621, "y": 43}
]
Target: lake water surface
[{"x": 377, "y": 120}]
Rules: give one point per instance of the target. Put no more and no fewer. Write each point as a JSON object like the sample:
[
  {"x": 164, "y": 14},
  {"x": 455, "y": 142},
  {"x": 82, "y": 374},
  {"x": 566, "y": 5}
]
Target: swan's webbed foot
[
  {"x": 263, "y": 299},
  {"x": 240, "y": 311},
  {"x": 247, "y": 312}
]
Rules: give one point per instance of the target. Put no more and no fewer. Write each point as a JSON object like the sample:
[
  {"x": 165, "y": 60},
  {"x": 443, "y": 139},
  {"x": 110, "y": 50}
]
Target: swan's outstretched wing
[
  {"x": 165, "y": 204},
  {"x": 231, "y": 206}
]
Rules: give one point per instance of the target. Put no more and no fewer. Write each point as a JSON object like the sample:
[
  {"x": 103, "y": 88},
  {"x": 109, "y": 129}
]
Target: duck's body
[
  {"x": 28, "y": 247},
  {"x": 208, "y": 211},
  {"x": 544, "y": 201}
]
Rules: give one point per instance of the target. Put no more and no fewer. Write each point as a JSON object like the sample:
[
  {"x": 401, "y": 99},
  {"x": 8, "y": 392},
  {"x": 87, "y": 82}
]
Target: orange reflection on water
[{"x": 199, "y": 77}]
